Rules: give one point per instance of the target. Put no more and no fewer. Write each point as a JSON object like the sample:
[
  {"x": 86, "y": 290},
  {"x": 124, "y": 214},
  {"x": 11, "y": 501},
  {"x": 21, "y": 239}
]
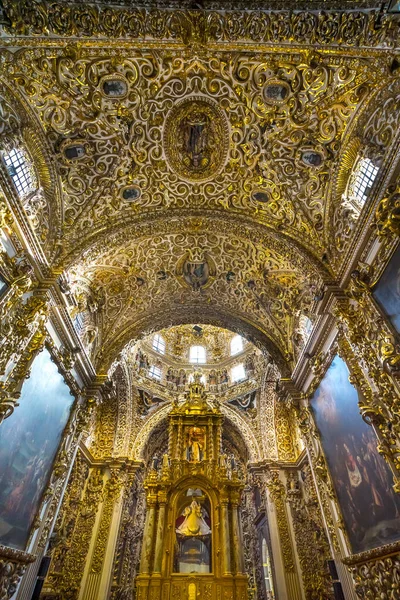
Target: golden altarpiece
[{"x": 192, "y": 539}]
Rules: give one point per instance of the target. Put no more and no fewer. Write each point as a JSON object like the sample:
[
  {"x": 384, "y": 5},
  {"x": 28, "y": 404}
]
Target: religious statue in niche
[
  {"x": 195, "y": 130},
  {"x": 141, "y": 361},
  {"x": 196, "y": 269},
  {"x": 196, "y": 138},
  {"x": 193, "y": 523},
  {"x": 193, "y": 534},
  {"x": 195, "y": 445}
]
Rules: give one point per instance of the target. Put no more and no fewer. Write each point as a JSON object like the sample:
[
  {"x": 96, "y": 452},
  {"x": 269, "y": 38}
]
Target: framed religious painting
[
  {"x": 387, "y": 290},
  {"x": 362, "y": 480},
  {"x": 3, "y": 285},
  {"x": 29, "y": 441}
]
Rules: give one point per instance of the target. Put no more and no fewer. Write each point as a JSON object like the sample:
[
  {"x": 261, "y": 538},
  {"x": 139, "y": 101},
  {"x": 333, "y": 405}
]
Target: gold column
[
  {"x": 226, "y": 546},
  {"x": 160, "y": 535},
  {"x": 237, "y": 539},
  {"x": 148, "y": 535}
]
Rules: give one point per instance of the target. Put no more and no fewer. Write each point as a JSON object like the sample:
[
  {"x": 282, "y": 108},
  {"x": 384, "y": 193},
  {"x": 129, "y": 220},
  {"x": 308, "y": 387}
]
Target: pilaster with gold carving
[
  {"x": 158, "y": 553},
  {"x": 128, "y": 545},
  {"x": 311, "y": 543},
  {"x": 236, "y": 533},
  {"x": 74, "y": 564},
  {"x": 225, "y": 534},
  {"x": 277, "y": 494},
  {"x": 64, "y": 526}
]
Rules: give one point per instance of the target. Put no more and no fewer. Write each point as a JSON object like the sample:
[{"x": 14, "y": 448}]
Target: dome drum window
[
  {"x": 197, "y": 355},
  {"x": 236, "y": 345},
  {"x": 238, "y": 373},
  {"x": 159, "y": 344},
  {"x": 155, "y": 372}
]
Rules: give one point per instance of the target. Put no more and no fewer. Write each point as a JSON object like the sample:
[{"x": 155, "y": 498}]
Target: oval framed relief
[
  {"x": 311, "y": 158},
  {"x": 276, "y": 91},
  {"x": 196, "y": 138},
  {"x": 261, "y": 196},
  {"x": 130, "y": 193},
  {"x": 114, "y": 87},
  {"x": 74, "y": 150}
]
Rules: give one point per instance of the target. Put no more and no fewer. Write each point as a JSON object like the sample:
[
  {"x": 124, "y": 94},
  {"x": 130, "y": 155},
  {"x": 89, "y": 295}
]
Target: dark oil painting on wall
[
  {"x": 29, "y": 440},
  {"x": 387, "y": 291},
  {"x": 361, "y": 477}
]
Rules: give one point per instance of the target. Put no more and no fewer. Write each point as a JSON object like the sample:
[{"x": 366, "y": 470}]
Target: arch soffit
[
  {"x": 126, "y": 257},
  {"x": 148, "y": 225}
]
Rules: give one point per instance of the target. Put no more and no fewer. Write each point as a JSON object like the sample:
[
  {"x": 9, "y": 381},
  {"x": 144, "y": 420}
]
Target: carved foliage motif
[
  {"x": 348, "y": 29},
  {"x": 377, "y": 577},
  {"x": 64, "y": 527}
]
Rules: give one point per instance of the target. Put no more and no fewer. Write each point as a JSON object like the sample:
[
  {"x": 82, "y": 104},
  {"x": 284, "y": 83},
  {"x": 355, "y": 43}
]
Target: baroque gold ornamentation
[
  {"x": 112, "y": 490},
  {"x": 360, "y": 343},
  {"x": 12, "y": 566},
  {"x": 75, "y": 558},
  {"x": 387, "y": 216},
  {"x": 277, "y": 492},
  {"x": 347, "y": 29},
  {"x": 376, "y": 572}
]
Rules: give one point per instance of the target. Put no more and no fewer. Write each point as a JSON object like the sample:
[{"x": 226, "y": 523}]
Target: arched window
[
  {"x": 360, "y": 183},
  {"x": 238, "y": 373},
  {"x": 20, "y": 171},
  {"x": 266, "y": 564},
  {"x": 159, "y": 343},
  {"x": 236, "y": 345},
  {"x": 155, "y": 372},
  {"x": 197, "y": 355}
]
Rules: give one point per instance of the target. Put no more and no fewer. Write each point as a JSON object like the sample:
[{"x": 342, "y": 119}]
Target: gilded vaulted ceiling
[
  {"x": 249, "y": 280},
  {"x": 193, "y": 162}
]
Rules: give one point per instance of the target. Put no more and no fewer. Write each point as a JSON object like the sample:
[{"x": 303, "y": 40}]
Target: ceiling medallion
[
  {"x": 114, "y": 87},
  {"x": 276, "y": 91},
  {"x": 196, "y": 269},
  {"x": 261, "y": 196},
  {"x": 196, "y": 138},
  {"x": 131, "y": 193}
]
